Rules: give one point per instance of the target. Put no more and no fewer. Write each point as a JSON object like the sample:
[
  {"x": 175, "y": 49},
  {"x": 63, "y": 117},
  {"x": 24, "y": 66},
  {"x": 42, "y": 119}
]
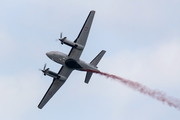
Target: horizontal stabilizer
[
  {"x": 96, "y": 60},
  {"x": 88, "y": 76}
]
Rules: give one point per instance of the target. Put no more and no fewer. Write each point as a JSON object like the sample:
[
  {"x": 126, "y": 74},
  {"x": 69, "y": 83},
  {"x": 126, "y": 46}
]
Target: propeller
[
  {"x": 61, "y": 35},
  {"x": 62, "y": 39},
  {"x": 44, "y": 70},
  {"x": 44, "y": 66}
]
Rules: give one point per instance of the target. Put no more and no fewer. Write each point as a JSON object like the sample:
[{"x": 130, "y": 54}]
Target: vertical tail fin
[{"x": 94, "y": 62}]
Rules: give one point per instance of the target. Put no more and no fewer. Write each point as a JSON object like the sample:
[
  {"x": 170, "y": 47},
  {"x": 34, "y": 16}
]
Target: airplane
[{"x": 71, "y": 61}]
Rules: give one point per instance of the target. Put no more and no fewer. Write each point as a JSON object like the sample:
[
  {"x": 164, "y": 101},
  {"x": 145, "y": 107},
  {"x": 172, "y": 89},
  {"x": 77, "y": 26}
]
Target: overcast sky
[{"x": 142, "y": 40}]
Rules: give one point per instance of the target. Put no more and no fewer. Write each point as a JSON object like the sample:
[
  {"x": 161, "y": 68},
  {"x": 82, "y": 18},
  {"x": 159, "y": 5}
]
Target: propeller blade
[
  {"x": 44, "y": 70},
  {"x": 44, "y": 66},
  {"x": 61, "y": 35}
]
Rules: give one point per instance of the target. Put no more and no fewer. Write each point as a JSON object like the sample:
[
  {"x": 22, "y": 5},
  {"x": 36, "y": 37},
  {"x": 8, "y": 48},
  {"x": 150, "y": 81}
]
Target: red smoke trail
[{"x": 145, "y": 90}]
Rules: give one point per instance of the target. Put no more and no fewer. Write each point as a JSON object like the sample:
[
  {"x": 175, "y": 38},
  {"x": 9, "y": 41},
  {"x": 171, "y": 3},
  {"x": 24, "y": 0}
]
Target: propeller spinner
[
  {"x": 62, "y": 39},
  {"x": 44, "y": 70}
]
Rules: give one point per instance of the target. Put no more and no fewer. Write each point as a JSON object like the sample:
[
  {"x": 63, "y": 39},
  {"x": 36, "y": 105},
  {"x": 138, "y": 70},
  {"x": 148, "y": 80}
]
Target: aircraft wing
[
  {"x": 82, "y": 37},
  {"x": 56, "y": 84}
]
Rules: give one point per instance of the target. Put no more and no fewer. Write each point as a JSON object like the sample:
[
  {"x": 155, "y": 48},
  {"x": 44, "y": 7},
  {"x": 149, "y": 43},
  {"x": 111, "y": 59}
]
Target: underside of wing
[
  {"x": 56, "y": 84},
  {"x": 83, "y": 35}
]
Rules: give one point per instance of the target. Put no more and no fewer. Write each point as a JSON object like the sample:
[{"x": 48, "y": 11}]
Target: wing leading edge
[
  {"x": 83, "y": 35},
  {"x": 54, "y": 87}
]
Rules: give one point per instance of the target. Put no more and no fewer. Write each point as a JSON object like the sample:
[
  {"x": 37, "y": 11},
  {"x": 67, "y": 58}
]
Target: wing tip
[{"x": 39, "y": 107}]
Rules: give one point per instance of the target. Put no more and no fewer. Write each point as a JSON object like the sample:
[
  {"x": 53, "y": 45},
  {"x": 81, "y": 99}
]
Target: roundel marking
[
  {"x": 86, "y": 28},
  {"x": 50, "y": 93}
]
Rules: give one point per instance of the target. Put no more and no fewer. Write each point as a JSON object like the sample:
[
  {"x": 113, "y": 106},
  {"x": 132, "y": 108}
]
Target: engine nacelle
[
  {"x": 54, "y": 75},
  {"x": 72, "y": 44}
]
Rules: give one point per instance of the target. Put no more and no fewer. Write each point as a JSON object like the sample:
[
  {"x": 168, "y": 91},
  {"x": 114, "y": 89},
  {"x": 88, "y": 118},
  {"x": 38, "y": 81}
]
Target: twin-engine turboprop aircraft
[{"x": 71, "y": 61}]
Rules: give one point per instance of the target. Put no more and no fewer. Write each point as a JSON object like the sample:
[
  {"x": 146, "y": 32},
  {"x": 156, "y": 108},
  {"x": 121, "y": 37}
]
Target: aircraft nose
[{"x": 48, "y": 54}]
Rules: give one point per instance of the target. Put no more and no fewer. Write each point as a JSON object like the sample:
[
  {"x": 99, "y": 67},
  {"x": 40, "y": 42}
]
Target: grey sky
[{"x": 142, "y": 40}]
